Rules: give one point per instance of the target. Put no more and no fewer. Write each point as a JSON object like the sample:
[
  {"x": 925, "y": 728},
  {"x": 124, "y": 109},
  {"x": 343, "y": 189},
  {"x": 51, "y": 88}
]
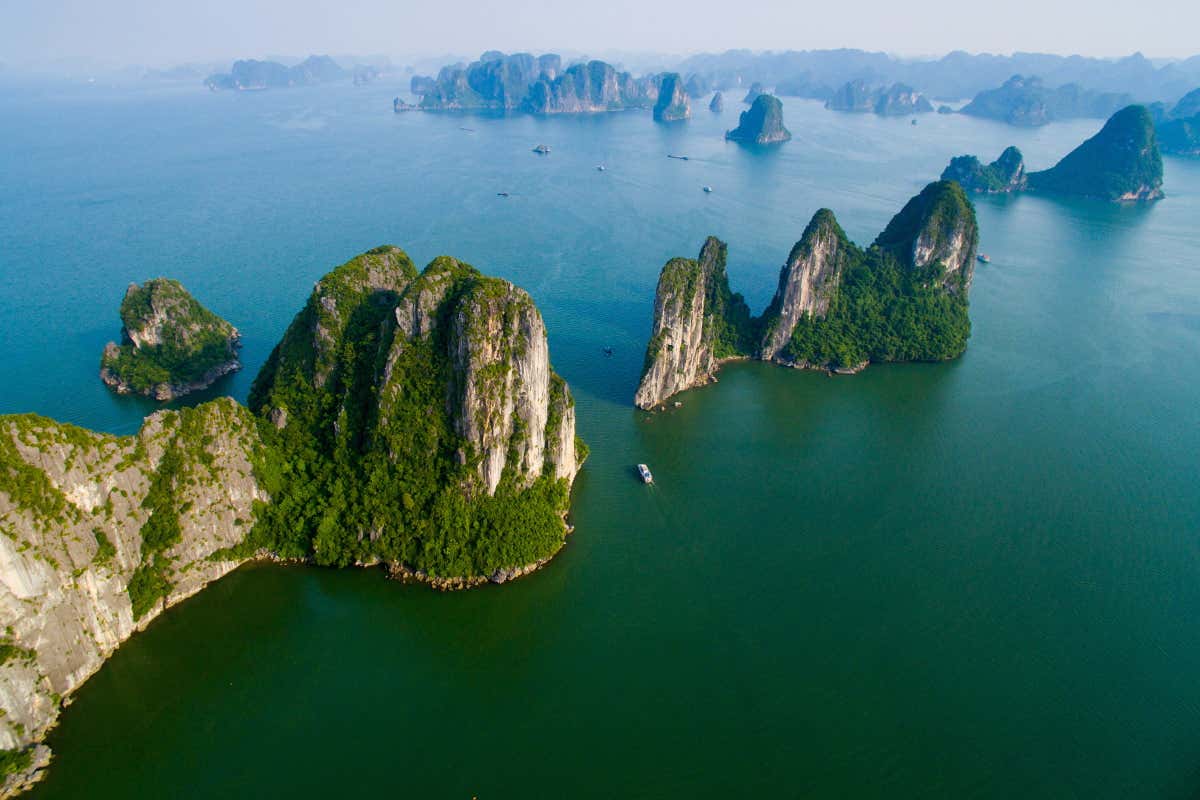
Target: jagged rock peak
[
  {"x": 374, "y": 325},
  {"x": 762, "y": 123},
  {"x": 807, "y": 281},
  {"x": 937, "y": 226},
  {"x": 310, "y": 344},
  {"x": 717, "y": 105},
  {"x": 171, "y": 345},
  {"x": 673, "y": 103},
  {"x": 697, "y": 323}
]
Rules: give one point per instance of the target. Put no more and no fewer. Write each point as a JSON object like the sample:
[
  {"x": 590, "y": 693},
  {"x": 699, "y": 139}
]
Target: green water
[{"x": 976, "y": 579}]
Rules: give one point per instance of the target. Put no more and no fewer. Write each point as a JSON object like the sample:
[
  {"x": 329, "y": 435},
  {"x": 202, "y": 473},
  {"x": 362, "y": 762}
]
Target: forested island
[
  {"x": 171, "y": 345},
  {"x": 1028, "y": 102},
  {"x": 762, "y": 123},
  {"x": 1120, "y": 163},
  {"x": 406, "y": 419},
  {"x": 837, "y": 307}
]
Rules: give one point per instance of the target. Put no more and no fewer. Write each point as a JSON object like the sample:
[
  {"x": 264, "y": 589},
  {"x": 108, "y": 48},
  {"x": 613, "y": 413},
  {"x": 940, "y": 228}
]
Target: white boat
[
  {"x": 708, "y": 190},
  {"x": 542, "y": 149},
  {"x": 600, "y": 168},
  {"x": 644, "y": 472}
]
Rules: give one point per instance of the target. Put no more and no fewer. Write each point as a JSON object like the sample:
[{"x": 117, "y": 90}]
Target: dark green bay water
[{"x": 975, "y": 579}]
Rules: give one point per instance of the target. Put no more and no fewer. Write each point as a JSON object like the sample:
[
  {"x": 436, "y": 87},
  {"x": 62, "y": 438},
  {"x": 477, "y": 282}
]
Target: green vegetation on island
[
  {"x": 1120, "y": 163},
  {"x": 398, "y": 424},
  {"x": 172, "y": 345},
  {"x": 837, "y": 306},
  {"x": 1029, "y": 103},
  {"x": 1005, "y": 174},
  {"x": 762, "y": 123}
]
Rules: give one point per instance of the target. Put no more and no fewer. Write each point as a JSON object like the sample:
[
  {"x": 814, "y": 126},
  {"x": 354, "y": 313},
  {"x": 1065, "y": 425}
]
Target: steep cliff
[
  {"x": 587, "y": 88},
  {"x": 171, "y": 344},
  {"x": 1121, "y": 162},
  {"x": 717, "y": 104},
  {"x": 101, "y": 533},
  {"x": 762, "y": 123},
  {"x": 807, "y": 282},
  {"x": 435, "y": 390},
  {"x": 1005, "y": 174},
  {"x": 673, "y": 103},
  {"x": 837, "y": 307},
  {"x": 408, "y": 418},
  {"x": 534, "y": 84},
  {"x": 697, "y": 323},
  {"x": 937, "y": 228}
]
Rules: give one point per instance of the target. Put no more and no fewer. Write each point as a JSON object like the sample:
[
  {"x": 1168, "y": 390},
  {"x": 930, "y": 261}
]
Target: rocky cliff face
[
  {"x": 673, "y": 103},
  {"x": 837, "y": 307},
  {"x": 437, "y": 386},
  {"x": 697, "y": 322},
  {"x": 413, "y": 419},
  {"x": 936, "y": 227},
  {"x": 1120, "y": 163},
  {"x": 588, "y": 88},
  {"x": 513, "y": 414},
  {"x": 171, "y": 346},
  {"x": 101, "y": 533},
  {"x": 537, "y": 85},
  {"x": 762, "y": 123},
  {"x": 807, "y": 282},
  {"x": 1005, "y": 174},
  {"x": 717, "y": 104}
]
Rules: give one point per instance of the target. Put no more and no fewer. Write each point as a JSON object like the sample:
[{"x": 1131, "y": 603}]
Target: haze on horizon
[{"x": 164, "y": 33}]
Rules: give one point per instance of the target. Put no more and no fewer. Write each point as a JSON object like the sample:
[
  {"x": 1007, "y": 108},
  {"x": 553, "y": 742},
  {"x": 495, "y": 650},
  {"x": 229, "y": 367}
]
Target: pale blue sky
[{"x": 167, "y": 32}]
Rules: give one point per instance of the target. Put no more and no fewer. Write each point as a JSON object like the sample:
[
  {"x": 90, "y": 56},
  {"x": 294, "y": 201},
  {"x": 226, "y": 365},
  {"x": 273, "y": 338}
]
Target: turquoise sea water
[{"x": 974, "y": 579}]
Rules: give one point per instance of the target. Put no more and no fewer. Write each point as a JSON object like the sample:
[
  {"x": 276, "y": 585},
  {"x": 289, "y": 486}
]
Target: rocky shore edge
[{"x": 171, "y": 391}]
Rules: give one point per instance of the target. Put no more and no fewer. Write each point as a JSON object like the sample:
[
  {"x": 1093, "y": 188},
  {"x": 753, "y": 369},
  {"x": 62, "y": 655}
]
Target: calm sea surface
[{"x": 974, "y": 579}]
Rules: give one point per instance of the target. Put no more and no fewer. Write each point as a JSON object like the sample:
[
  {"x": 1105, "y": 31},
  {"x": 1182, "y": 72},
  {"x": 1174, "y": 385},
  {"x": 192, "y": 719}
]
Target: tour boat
[
  {"x": 600, "y": 168},
  {"x": 644, "y": 472},
  {"x": 542, "y": 149},
  {"x": 708, "y": 190},
  {"x": 984, "y": 258}
]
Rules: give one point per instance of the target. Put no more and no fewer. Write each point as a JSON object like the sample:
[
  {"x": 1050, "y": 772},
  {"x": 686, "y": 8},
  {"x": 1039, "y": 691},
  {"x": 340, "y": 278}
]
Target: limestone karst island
[
  {"x": 407, "y": 419},
  {"x": 771, "y": 401}
]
